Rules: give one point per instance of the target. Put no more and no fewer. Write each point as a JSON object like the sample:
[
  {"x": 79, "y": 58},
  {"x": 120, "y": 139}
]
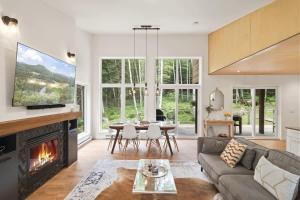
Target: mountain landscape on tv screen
[{"x": 38, "y": 81}]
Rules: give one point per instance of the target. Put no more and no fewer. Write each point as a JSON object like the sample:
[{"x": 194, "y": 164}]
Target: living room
[{"x": 184, "y": 82}]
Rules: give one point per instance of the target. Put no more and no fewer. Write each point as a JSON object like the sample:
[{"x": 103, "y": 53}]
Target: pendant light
[
  {"x": 146, "y": 63},
  {"x": 146, "y": 28},
  {"x": 133, "y": 89}
]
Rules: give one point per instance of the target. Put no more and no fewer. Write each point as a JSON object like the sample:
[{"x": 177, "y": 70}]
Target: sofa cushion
[
  {"x": 243, "y": 187},
  {"x": 213, "y": 146},
  {"x": 247, "y": 142},
  {"x": 215, "y": 167},
  {"x": 248, "y": 158}
]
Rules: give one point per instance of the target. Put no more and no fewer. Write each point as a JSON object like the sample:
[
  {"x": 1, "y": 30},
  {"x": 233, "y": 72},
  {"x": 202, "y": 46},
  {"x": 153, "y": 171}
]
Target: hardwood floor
[{"x": 60, "y": 185}]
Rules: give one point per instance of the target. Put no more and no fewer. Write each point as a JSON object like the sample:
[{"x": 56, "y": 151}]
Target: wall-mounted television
[{"x": 42, "y": 80}]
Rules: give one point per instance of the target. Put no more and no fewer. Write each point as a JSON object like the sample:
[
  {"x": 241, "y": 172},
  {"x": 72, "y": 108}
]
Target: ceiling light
[{"x": 195, "y": 23}]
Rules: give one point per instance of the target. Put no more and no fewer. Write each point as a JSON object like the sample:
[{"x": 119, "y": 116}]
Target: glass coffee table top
[{"x": 150, "y": 185}]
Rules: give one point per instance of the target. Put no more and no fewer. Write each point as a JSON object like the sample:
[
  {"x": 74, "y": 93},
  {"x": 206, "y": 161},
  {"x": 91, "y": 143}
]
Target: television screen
[{"x": 41, "y": 79}]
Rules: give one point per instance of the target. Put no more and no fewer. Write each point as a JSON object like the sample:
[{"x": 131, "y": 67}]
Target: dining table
[{"x": 164, "y": 127}]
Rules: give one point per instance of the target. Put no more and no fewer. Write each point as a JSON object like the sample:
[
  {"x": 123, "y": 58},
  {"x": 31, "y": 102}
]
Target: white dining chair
[
  {"x": 130, "y": 135},
  {"x": 153, "y": 136}
]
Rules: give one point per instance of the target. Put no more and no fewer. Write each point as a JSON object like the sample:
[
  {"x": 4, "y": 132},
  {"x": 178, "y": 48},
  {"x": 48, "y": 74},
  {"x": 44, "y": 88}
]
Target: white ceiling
[{"x": 173, "y": 16}]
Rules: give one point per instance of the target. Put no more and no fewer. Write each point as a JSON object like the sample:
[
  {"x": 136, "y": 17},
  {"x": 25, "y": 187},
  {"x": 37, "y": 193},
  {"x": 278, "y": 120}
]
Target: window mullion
[{"x": 123, "y": 90}]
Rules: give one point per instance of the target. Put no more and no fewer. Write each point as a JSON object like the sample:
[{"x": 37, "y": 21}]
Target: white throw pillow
[{"x": 282, "y": 184}]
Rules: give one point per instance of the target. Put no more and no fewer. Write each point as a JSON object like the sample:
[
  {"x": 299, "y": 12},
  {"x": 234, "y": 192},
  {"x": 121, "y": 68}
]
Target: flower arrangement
[{"x": 227, "y": 115}]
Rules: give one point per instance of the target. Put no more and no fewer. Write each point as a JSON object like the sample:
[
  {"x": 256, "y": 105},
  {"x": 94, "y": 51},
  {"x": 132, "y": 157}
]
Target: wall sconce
[
  {"x": 9, "y": 21},
  {"x": 71, "y": 55}
]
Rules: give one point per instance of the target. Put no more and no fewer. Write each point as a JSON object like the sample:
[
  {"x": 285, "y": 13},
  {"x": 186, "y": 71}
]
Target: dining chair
[
  {"x": 130, "y": 135},
  {"x": 112, "y": 136},
  {"x": 153, "y": 135},
  {"x": 172, "y": 136}
]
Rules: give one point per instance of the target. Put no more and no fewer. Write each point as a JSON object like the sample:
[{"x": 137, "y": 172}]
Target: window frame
[{"x": 85, "y": 135}]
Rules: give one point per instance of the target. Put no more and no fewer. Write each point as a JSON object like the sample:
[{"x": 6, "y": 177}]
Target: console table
[{"x": 208, "y": 122}]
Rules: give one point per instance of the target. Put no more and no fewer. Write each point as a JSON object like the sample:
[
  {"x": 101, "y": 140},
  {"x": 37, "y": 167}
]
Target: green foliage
[
  {"x": 36, "y": 85},
  {"x": 111, "y": 71}
]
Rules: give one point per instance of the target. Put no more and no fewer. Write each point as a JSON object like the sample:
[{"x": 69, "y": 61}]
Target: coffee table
[{"x": 154, "y": 186}]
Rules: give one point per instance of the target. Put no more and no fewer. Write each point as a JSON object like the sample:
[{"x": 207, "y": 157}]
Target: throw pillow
[
  {"x": 279, "y": 182},
  {"x": 258, "y": 154},
  {"x": 248, "y": 158},
  {"x": 233, "y": 153}
]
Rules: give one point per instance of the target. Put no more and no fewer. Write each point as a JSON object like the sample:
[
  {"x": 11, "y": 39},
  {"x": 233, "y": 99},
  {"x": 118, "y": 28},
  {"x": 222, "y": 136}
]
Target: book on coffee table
[{"x": 161, "y": 182}]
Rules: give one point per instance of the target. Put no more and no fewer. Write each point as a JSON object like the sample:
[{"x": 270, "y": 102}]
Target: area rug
[{"x": 113, "y": 179}]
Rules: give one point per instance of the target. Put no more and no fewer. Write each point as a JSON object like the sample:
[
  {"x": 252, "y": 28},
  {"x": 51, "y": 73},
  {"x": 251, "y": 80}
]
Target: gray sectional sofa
[{"x": 238, "y": 183}]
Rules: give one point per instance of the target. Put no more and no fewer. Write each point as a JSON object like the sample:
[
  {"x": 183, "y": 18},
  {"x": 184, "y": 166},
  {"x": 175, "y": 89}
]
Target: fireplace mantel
[{"x": 14, "y": 126}]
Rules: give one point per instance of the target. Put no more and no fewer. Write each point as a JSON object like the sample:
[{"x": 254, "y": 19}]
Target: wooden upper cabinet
[
  {"x": 259, "y": 30},
  {"x": 274, "y": 23},
  {"x": 229, "y": 44}
]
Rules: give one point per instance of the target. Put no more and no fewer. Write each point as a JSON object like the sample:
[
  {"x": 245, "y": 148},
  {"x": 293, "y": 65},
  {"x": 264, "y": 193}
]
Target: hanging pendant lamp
[{"x": 146, "y": 28}]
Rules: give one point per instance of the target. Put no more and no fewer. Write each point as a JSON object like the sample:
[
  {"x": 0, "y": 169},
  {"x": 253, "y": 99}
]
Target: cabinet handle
[{"x": 4, "y": 159}]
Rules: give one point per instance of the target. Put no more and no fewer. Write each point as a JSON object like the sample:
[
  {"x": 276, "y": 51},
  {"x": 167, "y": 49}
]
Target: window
[
  {"x": 122, "y": 90},
  {"x": 80, "y": 100},
  {"x": 255, "y": 111},
  {"x": 179, "y": 87}
]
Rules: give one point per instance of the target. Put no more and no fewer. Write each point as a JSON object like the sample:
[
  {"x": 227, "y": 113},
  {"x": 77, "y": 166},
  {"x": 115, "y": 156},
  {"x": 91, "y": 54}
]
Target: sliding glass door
[
  {"x": 255, "y": 111},
  {"x": 187, "y": 112},
  {"x": 265, "y": 112},
  {"x": 179, "y": 90}
]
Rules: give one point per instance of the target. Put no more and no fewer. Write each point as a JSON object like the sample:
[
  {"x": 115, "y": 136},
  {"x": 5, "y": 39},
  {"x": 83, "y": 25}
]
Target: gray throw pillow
[
  {"x": 248, "y": 157},
  {"x": 258, "y": 154},
  {"x": 213, "y": 146}
]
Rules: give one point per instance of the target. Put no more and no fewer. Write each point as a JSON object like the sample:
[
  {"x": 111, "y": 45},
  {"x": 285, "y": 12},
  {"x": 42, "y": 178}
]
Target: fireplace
[{"x": 41, "y": 156}]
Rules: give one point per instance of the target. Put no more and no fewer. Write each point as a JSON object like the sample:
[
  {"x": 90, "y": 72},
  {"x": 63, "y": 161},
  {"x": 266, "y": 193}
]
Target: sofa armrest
[
  {"x": 200, "y": 144},
  {"x": 211, "y": 145}
]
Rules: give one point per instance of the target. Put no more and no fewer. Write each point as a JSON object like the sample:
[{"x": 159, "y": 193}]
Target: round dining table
[{"x": 165, "y": 128}]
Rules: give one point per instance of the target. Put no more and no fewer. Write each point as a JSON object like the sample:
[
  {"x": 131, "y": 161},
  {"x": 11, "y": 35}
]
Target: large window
[
  {"x": 178, "y": 98},
  {"x": 122, "y": 90},
  {"x": 255, "y": 111}
]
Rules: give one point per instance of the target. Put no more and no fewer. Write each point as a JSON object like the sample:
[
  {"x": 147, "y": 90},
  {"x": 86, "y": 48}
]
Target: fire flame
[{"x": 45, "y": 155}]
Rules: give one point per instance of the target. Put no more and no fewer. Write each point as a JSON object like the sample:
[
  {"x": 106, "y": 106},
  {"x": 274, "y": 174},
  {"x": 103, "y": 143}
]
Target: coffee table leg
[
  {"x": 168, "y": 141},
  {"x": 115, "y": 142}
]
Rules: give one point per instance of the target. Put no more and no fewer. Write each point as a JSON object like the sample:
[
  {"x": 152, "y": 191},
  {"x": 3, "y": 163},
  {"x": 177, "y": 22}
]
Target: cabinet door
[
  {"x": 298, "y": 6},
  {"x": 229, "y": 44},
  {"x": 9, "y": 176},
  {"x": 274, "y": 23}
]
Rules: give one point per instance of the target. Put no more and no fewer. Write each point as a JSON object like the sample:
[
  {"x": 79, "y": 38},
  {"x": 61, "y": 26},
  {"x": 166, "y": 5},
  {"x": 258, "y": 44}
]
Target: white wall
[
  {"x": 191, "y": 46},
  {"x": 47, "y": 30}
]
